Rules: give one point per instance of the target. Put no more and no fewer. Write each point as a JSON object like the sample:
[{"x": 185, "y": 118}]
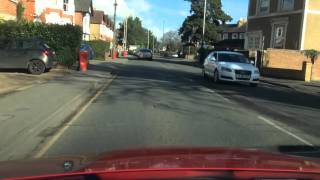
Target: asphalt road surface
[{"x": 166, "y": 103}]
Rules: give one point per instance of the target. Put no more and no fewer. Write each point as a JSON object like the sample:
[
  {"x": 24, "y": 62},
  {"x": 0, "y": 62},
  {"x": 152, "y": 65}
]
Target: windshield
[
  {"x": 82, "y": 79},
  {"x": 236, "y": 58}
]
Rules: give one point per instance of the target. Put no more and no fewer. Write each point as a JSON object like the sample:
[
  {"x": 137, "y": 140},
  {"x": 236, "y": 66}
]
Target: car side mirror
[{"x": 252, "y": 62}]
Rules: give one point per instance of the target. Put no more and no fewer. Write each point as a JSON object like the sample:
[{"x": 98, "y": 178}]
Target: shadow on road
[
  {"x": 13, "y": 71},
  {"x": 179, "y": 62},
  {"x": 283, "y": 104}
]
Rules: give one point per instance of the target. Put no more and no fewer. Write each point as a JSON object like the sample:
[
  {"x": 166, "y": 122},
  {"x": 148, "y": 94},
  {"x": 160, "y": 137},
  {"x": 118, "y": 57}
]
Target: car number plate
[{"x": 243, "y": 76}]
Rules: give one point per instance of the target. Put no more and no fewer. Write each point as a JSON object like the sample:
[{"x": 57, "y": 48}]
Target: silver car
[
  {"x": 144, "y": 54},
  {"x": 230, "y": 66},
  {"x": 31, "y": 54}
]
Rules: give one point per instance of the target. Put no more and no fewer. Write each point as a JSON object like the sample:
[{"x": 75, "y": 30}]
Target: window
[
  {"x": 28, "y": 44},
  {"x": 225, "y": 36},
  {"x": 286, "y": 5},
  {"x": 242, "y": 36},
  {"x": 234, "y": 35},
  {"x": 263, "y": 6},
  {"x": 65, "y": 5},
  {"x": 254, "y": 41},
  {"x": 215, "y": 56}
]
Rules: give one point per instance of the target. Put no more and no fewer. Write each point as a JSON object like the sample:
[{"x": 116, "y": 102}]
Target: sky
[{"x": 170, "y": 14}]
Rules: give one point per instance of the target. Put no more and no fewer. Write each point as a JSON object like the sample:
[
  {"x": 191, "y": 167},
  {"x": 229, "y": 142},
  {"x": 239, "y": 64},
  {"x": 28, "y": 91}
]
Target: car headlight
[
  {"x": 256, "y": 72},
  {"x": 226, "y": 69}
]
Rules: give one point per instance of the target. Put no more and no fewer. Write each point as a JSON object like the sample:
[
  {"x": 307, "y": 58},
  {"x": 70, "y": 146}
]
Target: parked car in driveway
[
  {"x": 31, "y": 54},
  {"x": 230, "y": 66},
  {"x": 144, "y": 54}
]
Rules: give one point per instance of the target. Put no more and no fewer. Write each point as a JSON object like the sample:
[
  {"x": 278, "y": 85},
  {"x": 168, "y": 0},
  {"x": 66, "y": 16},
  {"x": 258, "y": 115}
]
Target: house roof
[
  {"x": 230, "y": 28},
  {"x": 83, "y": 5},
  {"x": 98, "y": 17}
]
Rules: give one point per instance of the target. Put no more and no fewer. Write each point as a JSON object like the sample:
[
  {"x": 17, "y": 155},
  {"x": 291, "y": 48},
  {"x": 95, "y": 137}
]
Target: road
[
  {"x": 167, "y": 103},
  {"x": 160, "y": 103}
]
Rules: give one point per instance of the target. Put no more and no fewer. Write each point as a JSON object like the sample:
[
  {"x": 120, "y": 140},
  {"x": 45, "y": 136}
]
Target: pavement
[
  {"x": 31, "y": 115},
  {"x": 159, "y": 103},
  {"x": 301, "y": 86},
  {"x": 12, "y": 80}
]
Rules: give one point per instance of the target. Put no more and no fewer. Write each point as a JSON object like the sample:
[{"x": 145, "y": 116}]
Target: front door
[{"x": 279, "y": 36}]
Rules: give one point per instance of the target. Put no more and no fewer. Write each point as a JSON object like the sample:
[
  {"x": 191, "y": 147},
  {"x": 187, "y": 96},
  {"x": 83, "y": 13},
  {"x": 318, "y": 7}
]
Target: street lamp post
[
  {"x": 148, "y": 39},
  {"x": 114, "y": 28},
  {"x": 204, "y": 21}
]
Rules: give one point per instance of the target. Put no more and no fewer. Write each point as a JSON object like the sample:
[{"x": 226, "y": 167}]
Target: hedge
[
  {"x": 99, "y": 47},
  {"x": 64, "y": 39}
]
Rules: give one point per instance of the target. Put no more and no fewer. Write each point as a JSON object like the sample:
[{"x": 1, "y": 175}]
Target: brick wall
[
  {"x": 288, "y": 64},
  {"x": 79, "y": 19},
  {"x": 29, "y": 10},
  {"x": 7, "y": 9}
]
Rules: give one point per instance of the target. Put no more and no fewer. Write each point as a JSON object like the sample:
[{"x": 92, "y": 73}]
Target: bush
[
  {"x": 99, "y": 47},
  {"x": 61, "y": 38}
]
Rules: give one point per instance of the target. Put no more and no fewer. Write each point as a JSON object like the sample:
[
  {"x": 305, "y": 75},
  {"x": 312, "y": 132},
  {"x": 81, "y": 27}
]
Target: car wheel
[
  {"x": 36, "y": 67},
  {"x": 253, "y": 84},
  {"x": 216, "y": 77}
]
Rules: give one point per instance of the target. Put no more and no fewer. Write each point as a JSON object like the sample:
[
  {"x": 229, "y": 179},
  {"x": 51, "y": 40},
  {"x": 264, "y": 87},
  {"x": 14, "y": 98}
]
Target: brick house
[
  {"x": 100, "y": 27},
  {"x": 234, "y": 31},
  {"x": 283, "y": 24},
  {"x": 83, "y": 14},
  {"x": 232, "y": 35},
  {"x": 8, "y": 9}
]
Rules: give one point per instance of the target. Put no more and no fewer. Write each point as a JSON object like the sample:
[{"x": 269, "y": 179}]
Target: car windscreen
[
  {"x": 145, "y": 50},
  {"x": 237, "y": 58}
]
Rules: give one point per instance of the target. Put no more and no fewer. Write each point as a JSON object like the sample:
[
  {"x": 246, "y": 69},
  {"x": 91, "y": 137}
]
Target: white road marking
[
  {"x": 25, "y": 87},
  {"x": 285, "y": 131},
  {"x": 57, "y": 136},
  {"x": 217, "y": 94}
]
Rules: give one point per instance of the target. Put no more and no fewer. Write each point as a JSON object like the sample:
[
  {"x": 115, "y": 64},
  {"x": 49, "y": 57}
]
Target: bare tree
[{"x": 172, "y": 41}]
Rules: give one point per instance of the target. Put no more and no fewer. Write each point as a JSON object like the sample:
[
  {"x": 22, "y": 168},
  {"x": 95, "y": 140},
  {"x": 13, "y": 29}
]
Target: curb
[
  {"x": 66, "y": 114},
  {"x": 276, "y": 84}
]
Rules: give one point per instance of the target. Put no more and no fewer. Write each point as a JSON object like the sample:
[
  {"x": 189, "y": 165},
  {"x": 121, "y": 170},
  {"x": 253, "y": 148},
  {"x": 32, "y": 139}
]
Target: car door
[
  {"x": 4, "y": 43},
  {"x": 211, "y": 64},
  {"x": 17, "y": 55},
  {"x": 206, "y": 63}
]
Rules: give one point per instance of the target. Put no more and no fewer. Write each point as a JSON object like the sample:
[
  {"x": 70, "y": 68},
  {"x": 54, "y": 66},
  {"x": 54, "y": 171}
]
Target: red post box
[
  {"x": 125, "y": 54},
  {"x": 115, "y": 53},
  {"x": 83, "y": 61}
]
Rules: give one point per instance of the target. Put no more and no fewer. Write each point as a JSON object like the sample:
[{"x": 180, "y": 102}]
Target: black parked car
[{"x": 31, "y": 54}]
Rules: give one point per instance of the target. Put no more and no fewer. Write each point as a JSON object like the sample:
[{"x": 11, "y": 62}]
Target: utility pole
[
  {"x": 125, "y": 35},
  {"x": 148, "y": 39},
  {"x": 163, "y": 33},
  {"x": 126, "y": 32},
  {"x": 152, "y": 43},
  {"x": 114, "y": 26},
  {"x": 204, "y": 21}
]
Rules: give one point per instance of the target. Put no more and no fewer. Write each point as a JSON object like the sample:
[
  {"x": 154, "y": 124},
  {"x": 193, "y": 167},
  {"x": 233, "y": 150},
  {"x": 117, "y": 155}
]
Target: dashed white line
[
  {"x": 285, "y": 131},
  {"x": 217, "y": 94}
]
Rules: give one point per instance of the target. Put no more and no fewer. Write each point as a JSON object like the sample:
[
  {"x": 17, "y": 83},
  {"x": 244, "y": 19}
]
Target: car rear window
[{"x": 145, "y": 50}]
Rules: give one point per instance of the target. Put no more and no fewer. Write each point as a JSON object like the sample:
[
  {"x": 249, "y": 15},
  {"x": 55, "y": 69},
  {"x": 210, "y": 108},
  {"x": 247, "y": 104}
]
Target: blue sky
[{"x": 154, "y": 12}]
